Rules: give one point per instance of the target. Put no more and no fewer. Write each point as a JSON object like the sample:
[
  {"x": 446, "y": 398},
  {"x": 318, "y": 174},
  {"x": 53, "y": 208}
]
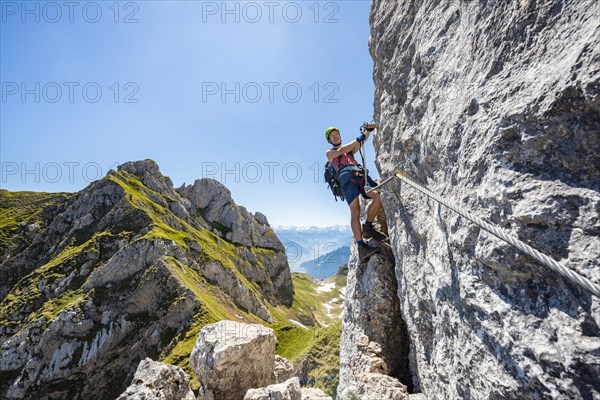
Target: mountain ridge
[{"x": 128, "y": 262}]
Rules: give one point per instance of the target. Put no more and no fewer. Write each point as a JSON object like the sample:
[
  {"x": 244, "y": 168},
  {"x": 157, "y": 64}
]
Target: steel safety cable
[{"x": 499, "y": 233}]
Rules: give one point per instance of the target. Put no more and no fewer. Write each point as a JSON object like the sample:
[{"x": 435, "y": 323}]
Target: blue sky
[{"x": 238, "y": 91}]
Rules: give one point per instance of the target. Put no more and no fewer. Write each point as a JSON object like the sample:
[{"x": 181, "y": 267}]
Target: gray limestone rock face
[
  {"x": 212, "y": 200},
  {"x": 128, "y": 261},
  {"x": 288, "y": 390},
  {"x": 154, "y": 380},
  {"x": 87, "y": 337},
  {"x": 242, "y": 296},
  {"x": 374, "y": 338},
  {"x": 261, "y": 218},
  {"x": 231, "y": 357},
  {"x": 495, "y": 106}
]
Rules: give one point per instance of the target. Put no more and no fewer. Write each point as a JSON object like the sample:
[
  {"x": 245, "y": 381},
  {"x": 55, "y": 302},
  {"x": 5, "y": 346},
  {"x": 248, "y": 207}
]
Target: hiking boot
[
  {"x": 369, "y": 232},
  {"x": 365, "y": 251}
]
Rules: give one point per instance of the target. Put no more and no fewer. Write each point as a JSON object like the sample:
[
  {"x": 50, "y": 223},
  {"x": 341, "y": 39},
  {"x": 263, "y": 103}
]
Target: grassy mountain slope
[{"x": 315, "y": 351}]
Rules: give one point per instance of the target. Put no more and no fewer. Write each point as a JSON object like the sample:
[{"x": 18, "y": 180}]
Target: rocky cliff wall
[
  {"x": 496, "y": 106},
  {"x": 374, "y": 346}
]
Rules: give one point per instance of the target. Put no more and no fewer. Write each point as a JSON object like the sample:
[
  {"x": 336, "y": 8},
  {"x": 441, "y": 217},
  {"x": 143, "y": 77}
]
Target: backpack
[{"x": 332, "y": 179}]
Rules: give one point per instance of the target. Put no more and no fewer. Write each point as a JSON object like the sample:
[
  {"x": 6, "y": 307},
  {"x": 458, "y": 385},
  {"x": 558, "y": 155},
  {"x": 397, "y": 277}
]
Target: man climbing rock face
[{"x": 352, "y": 183}]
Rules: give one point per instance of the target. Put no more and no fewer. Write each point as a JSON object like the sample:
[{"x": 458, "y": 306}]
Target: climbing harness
[{"x": 542, "y": 258}]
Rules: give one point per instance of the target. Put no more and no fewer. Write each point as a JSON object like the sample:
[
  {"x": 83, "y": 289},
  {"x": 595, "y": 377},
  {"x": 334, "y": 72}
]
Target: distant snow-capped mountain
[
  {"x": 328, "y": 264},
  {"x": 294, "y": 228},
  {"x": 309, "y": 243}
]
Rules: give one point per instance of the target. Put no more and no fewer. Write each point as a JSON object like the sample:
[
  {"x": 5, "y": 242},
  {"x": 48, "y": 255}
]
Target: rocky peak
[
  {"x": 144, "y": 167},
  {"x": 207, "y": 192},
  {"x": 212, "y": 201}
]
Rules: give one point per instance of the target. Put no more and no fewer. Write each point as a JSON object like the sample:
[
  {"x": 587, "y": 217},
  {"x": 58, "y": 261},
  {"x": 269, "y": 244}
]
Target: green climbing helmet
[{"x": 329, "y": 130}]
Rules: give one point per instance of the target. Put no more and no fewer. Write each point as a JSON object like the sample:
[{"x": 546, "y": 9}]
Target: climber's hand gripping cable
[{"x": 365, "y": 129}]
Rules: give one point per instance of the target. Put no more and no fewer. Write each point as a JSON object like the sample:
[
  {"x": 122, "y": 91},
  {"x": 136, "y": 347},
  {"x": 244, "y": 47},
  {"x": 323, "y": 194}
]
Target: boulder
[
  {"x": 288, "y": 390},
  {"x": 283, "y": 370},
  {"x": 231, "y": 357},
  {"x": 261, "y": 218},
  {"x": 376, "y": 386},
  {"x": 154, "y": 380},
  {"x": 314, "y": 394}
]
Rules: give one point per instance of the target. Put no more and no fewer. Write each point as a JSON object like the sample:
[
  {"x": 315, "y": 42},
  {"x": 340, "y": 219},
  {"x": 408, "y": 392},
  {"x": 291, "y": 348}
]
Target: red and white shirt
[{"x": 344, "y": 160}]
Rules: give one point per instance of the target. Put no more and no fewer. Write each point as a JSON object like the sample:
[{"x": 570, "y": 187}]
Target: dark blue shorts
[{"x": 353, "y": 185}]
